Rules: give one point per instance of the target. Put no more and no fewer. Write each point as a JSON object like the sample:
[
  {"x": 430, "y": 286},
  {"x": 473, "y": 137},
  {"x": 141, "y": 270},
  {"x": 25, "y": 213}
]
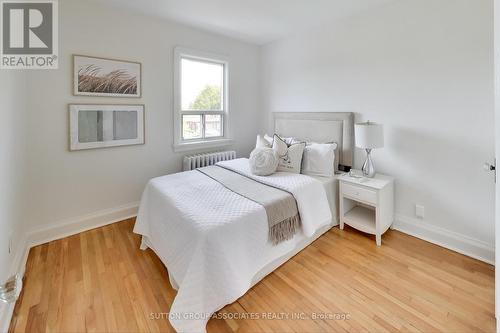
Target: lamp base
[{"x": 368, "y": 168}]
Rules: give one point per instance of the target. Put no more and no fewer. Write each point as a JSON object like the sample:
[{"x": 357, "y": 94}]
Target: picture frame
[
  {"x": 106, "y": 77},
  {"x": 94, "y": 126}
]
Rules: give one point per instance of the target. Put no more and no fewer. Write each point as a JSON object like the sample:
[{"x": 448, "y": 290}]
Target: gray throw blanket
[{"x": 281, "y": 208}]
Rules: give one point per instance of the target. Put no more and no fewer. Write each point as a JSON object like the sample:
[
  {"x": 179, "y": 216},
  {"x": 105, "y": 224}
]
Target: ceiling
[{"x": 254, "y": 21}]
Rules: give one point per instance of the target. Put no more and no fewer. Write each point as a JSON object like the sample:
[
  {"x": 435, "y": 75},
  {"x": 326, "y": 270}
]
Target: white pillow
[
  {"x": 263, "y": 161},
  {"x": 337, "y": 153},
  {"x": 319, "y": 159},
  {"x": 264, "y": 141},
  {"x": 290, "y": 157}
]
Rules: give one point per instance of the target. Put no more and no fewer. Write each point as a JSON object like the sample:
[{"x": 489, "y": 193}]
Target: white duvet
[{"x": 214, "y": 241}]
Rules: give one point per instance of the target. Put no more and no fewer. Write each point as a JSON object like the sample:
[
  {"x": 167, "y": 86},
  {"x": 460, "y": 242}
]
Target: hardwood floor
[{"x": 99, "y": 281}]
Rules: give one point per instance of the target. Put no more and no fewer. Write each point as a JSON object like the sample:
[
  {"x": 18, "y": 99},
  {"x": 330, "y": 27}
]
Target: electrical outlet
[{"x": 419, "y": 211}]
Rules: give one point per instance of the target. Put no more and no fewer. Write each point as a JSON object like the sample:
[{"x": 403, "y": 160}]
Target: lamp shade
[{"x": 369, "y": 135}]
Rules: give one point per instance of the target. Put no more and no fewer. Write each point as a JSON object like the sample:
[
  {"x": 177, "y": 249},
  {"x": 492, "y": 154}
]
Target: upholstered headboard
[{"x": 320, "y": 127}]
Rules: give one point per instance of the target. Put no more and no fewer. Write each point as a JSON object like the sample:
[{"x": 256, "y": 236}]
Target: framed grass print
[
  {"x": 101, "y": 126},
  {"x": 94, "y": 76}
]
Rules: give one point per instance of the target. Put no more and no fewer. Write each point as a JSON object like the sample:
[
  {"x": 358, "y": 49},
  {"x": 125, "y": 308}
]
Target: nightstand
[{"x": 367, "y": 204}]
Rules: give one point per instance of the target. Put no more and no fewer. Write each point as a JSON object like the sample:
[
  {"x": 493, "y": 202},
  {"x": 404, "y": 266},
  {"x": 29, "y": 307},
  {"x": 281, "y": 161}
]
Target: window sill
[{"x": 187, "y": 146}]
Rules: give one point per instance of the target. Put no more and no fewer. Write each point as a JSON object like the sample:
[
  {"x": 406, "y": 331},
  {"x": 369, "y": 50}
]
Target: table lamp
[{"x": 369, "y": 136}]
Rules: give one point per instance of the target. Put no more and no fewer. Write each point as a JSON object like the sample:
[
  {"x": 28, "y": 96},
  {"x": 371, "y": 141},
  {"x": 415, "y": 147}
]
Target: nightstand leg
[
  {"x": 341, "y": 224},
  {"x": 378, "y": 238}
]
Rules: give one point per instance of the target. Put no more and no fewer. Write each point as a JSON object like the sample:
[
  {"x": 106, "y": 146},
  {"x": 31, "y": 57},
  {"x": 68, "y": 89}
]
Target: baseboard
[
  {"x": 56, "y": 231},
  {"x": 463, "y": 244},
  {"x": 82, "y": 223}
]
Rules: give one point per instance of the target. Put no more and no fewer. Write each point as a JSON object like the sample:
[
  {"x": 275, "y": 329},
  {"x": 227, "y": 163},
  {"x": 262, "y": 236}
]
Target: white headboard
[{"x": 320, "y": 127}]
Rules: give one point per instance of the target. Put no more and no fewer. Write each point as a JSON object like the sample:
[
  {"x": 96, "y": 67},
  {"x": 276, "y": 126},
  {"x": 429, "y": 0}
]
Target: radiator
[{"x": 192, "y": 162}]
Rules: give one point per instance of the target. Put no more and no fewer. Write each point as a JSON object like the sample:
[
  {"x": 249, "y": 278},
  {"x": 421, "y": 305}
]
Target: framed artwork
[
  {"x": 94, "y": 76},
  {"x": 99, "y": 126}
]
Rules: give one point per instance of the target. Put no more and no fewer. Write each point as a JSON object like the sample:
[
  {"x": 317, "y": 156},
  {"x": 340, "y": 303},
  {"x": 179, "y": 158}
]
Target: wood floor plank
[{"x": 100, "y": 281}]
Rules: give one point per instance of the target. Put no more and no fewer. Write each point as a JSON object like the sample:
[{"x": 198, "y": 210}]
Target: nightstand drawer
[{"x": 359, "y": 193}]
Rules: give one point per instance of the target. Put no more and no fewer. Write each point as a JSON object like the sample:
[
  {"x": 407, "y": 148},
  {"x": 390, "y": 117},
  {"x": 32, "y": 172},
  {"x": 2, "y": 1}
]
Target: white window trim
[{"x": 186, "y": 145}]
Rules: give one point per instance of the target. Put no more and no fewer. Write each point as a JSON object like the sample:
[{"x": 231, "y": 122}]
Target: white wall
[
  {"x": 12, "y": 161},
  {"x": 65, "y": 185},
  {"x": 497, "y": 150},
  {"x": 423, "y": 68}
]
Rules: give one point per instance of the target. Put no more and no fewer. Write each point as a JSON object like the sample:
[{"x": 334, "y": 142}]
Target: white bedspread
[{"x": 214, "y": 241}]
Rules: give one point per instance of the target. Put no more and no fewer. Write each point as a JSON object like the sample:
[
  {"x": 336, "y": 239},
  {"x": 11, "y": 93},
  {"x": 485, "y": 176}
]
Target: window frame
[{"x": 181, "y": 144}]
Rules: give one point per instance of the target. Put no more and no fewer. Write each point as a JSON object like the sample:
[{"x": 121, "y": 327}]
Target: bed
[{"x": 214, "y": 242}]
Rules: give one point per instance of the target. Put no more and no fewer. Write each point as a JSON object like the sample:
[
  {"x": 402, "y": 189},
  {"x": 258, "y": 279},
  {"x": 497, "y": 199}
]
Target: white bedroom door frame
[{"x": 497, "y": 153}]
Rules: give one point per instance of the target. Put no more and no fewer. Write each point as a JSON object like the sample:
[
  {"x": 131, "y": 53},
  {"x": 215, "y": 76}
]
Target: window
[{"x": 201, "y": 108}]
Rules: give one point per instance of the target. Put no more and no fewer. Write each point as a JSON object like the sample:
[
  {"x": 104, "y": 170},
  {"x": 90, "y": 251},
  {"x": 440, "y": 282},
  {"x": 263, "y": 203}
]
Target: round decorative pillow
[{"x": 263, "y": 161}]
